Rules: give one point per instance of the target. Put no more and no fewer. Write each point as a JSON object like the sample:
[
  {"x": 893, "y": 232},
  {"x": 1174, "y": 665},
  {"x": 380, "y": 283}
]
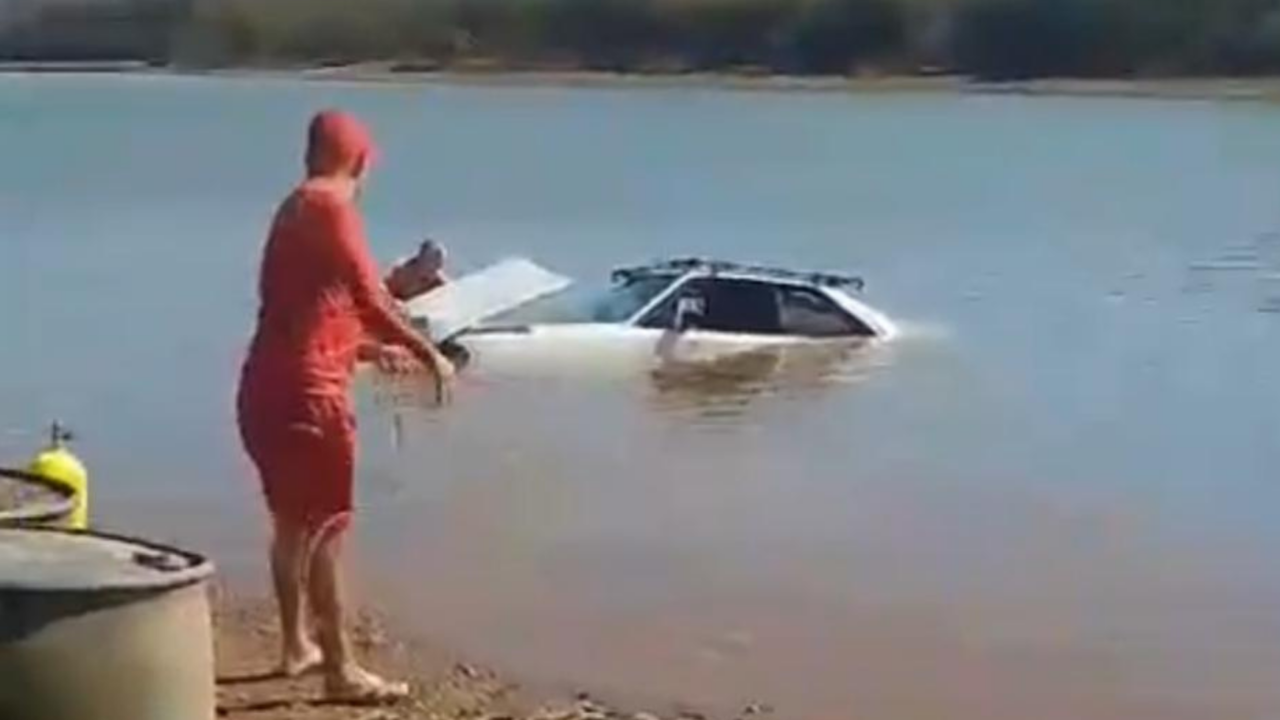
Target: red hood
[{"x": 338, "y": 143}]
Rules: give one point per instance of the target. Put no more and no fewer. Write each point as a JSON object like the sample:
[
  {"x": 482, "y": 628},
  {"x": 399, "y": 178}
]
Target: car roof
[
  {"x": 833, "y": 285},
  {"x": 701, "y": 267}
]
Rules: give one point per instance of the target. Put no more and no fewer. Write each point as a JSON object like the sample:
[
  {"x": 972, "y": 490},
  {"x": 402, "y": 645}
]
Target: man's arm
[{"x": 382, "y": 321}]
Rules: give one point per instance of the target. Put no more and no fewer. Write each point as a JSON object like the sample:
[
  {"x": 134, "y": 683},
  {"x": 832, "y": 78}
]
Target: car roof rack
[{"x": 712, "y": 267}]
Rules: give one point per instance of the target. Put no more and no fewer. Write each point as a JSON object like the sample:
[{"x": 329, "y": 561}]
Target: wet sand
[
  {"x": 444, "y": 685},
  {"x": 246, "y": 641}
]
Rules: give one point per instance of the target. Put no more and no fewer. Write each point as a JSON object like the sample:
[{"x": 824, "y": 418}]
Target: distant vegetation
[{"x": 995, "y": 39}]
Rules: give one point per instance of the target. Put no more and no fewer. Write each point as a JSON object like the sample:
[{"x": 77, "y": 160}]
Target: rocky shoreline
[{"x": 1253, "y": 89}]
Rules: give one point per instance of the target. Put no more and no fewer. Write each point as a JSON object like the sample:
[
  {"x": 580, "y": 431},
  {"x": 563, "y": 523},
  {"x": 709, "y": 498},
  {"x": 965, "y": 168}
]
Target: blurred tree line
[{"x": 994, "y": 39}]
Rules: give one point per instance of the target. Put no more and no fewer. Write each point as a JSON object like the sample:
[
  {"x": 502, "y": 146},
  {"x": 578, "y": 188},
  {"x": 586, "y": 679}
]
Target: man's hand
[
  {"x": 444, "y": 374},
  {"x": 395, "y": 360}
]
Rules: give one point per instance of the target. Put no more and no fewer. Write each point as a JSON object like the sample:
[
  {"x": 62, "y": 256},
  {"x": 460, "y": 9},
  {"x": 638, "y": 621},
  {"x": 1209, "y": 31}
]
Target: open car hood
[{"x": 462, "y": 303}]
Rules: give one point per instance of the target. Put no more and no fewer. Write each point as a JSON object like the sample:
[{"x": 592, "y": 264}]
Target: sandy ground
[
  {"x": 246, "y": 648},
  {"x": 445, "y": 687}
]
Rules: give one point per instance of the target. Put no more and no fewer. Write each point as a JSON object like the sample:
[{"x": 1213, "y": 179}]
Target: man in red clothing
[{"x": 323, "y": 308}]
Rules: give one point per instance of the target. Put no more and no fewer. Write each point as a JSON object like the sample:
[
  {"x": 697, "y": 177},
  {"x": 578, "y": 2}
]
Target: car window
[
  {"x": 809, "y": 313},
  {"x": 726, "y": 305},
  {"x": 617, "y": 303},
  {"x": 627, "y": 299}
]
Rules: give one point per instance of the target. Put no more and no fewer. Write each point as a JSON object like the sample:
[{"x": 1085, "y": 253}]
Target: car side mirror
[{"x": 690, "y": 310}]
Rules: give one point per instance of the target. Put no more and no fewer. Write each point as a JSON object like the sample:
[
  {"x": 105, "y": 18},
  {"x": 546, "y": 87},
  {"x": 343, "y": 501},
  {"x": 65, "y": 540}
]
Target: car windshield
[{"x": 614, "y": 304}]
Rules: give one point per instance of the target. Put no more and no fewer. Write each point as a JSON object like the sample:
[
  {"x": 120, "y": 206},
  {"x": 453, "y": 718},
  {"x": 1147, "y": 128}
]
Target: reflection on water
[
  {"x": 579, "y": 530},
  {"x": 717, "y": 389},
  {"x": 702, "y": 391},
  {"x": 829, "y": 545},
  {"x": 724, "y": 389},
  {"x": 1252, "y": 268}
]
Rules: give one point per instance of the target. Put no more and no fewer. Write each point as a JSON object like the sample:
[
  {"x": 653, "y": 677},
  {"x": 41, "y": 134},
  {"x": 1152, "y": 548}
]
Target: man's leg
[
  {"x": 345, "y": 679},
  {"x": 299, "y": 653}
]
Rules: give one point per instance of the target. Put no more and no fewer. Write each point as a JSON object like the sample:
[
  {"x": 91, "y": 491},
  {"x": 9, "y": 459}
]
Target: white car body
[{"x": 497, "y": 343}]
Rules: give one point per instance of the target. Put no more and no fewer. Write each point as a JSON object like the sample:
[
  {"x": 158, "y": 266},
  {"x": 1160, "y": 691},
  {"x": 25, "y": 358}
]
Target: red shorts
[{"x": 305, "y": 455}]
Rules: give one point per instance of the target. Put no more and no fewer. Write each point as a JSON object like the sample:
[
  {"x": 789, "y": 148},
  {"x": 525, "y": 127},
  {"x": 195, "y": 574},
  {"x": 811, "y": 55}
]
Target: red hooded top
[{"x": 320, "y": 292}]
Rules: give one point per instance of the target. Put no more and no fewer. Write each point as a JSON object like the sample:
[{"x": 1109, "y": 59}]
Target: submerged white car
[{"x": 516, "y": 317}]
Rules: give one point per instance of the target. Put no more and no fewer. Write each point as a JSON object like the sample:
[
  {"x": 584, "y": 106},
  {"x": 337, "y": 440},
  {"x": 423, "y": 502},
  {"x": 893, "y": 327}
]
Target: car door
[
  {"x": 808, "y": 312},
  {"x": 708, "y": 318}
]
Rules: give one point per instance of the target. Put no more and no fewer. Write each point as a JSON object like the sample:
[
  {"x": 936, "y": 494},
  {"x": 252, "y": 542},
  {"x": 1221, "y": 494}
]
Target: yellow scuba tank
[{"x": 57, "y": 464}]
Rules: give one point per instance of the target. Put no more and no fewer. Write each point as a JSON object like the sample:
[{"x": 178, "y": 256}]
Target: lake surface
[{"x": 1056, "y": 497}]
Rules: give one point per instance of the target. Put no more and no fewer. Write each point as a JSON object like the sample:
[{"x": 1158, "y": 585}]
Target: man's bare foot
[
  {"x": 355, "y": 685},
  {"x": 302, "y": 661}
]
